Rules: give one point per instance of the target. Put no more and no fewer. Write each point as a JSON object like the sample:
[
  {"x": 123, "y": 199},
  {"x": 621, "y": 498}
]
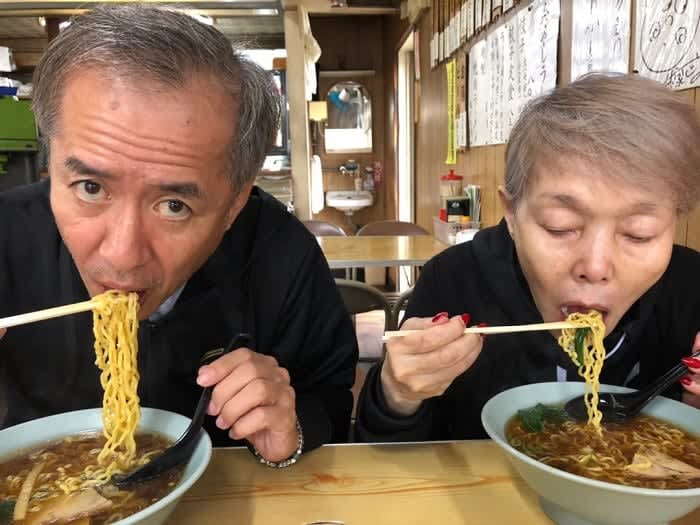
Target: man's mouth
[{"x": 141, "y": 292}]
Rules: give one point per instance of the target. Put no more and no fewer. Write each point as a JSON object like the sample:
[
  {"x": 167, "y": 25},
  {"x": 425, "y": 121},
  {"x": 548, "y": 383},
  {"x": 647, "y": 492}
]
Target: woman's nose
[{"x": 595, "y": 262}]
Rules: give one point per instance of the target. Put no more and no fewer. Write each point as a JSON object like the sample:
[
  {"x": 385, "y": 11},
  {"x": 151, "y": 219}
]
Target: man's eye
[
  {"x": 89, "y": 190},
  {"x": 174, "y": 209}
]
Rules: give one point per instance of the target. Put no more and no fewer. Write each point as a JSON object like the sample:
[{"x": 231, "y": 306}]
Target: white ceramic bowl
[
  {"x": 53, "y": 428},
  {"x": 574, "y": 500}
]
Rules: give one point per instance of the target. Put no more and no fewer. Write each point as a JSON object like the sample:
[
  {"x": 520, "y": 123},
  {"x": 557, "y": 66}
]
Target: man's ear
[
  {"x": 508, "y": 208},
  {"x": 238, "y": 203}
]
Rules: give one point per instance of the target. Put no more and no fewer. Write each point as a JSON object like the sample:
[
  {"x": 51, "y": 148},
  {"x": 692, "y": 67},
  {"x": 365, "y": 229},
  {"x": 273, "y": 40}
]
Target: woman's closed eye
[
  {"x": 639, "y": 239},
  {"x": 173, "y": 209}
]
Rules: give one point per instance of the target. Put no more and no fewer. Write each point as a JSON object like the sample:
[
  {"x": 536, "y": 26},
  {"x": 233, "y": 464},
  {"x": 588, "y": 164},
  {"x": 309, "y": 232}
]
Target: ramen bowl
[
  {"x": 569, "y": 499},
  {"x": 17, "y": 439}
]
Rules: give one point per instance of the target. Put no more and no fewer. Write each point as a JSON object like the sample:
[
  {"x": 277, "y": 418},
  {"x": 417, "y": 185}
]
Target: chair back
[
  {"x": 324, "y": 229},
  {"x": 399, "y": 305},
  {"x": 359, "y": 298},
  {"x": 392, "y": 228}
]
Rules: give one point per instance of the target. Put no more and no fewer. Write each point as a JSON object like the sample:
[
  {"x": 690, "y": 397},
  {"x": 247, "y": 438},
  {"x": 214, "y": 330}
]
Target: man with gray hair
[{"x": 156, "y": 130}]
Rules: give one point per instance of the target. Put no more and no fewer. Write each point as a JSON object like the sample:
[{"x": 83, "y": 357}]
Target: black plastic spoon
[
  {"x": 619, "y": 407},
  {"x": 180, "y": 451}
]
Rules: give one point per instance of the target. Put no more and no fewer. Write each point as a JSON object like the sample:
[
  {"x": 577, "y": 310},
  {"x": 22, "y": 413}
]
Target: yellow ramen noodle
[
  {"x": 593, "y": 355},
  {"x": 115, "y": 326}
]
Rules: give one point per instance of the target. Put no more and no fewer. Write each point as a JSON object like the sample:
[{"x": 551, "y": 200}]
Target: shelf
[{"x": 347, "y": 73}]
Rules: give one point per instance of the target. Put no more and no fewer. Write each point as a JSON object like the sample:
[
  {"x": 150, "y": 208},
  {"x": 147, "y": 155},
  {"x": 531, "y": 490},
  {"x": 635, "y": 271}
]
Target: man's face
[
  {"x": 138, "y": 184},
  {"x": 586, "y": 240}
]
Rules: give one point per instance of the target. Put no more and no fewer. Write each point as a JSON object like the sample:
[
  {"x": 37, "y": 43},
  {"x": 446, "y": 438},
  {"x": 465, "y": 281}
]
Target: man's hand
[
  {"x": 254, "y": 400},
  {"x": 691, "y": 382},
  {"x": 420, "y": 366}
]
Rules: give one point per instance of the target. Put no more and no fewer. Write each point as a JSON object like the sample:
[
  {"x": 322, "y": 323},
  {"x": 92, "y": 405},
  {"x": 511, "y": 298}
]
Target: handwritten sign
[
  {"x": 600, "y": 37},
  {"x": 543, "y": 34},
  {"x": 514, "y": 63},
  {"x": 667, "y": 46}
]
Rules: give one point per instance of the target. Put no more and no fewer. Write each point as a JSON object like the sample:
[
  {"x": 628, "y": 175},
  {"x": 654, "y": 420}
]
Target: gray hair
[
  {"x": 633, "y": 127},
  {"x": 166, "y": 46}
]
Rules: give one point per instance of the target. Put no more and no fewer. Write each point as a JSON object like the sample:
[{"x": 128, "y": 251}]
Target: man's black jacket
[{"x": 267, "y": 277}]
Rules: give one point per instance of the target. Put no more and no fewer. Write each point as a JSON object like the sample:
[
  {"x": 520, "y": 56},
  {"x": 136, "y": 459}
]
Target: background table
[
  {"x": 463, "y": 482},
  {"x": 385, "y": 250}
]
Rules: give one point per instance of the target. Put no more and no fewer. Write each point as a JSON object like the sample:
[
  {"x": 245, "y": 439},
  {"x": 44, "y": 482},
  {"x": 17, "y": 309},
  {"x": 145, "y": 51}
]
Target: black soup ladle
[
  {"x": 620, "y": 407},
  {"x": 180, "y": 451}
]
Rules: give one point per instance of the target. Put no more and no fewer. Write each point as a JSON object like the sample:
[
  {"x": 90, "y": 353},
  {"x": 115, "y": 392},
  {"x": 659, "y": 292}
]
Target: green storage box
[{"x": 17, "y": 126}]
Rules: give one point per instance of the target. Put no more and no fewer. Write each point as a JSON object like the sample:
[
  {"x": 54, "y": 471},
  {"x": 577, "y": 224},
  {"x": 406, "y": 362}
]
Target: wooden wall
[
  {"x": 483, "y": 165},
  {"x": 480, "y": 165}
]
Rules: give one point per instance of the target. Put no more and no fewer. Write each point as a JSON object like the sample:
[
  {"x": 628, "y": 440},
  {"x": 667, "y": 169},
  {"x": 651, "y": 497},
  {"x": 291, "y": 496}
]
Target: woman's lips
[{"x": 570, "y": 308}]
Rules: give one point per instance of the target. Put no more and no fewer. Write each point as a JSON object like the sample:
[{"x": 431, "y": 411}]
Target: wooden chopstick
[
  {"x": 49, "y": 313},
  {"x": 492, "y": 329}
]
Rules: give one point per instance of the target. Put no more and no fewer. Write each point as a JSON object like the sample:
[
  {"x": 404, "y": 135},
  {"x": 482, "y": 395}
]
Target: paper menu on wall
[
  {"x": 543, "y": 36},
  {"x": 514, "y": 63},
  {"x": 667, "y": 42},
  {"x": 476, "y": 94},
  {"x": 601, "y": 37}
]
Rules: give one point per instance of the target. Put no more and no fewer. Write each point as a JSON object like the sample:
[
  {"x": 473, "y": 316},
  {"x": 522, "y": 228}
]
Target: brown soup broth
[
  {"x": 575, "y": 448},
  {"x": 70, "y": 456}
]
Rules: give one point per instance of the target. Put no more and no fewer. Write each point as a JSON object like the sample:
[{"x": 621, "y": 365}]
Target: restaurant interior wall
[{"x": 483, "y": 165}]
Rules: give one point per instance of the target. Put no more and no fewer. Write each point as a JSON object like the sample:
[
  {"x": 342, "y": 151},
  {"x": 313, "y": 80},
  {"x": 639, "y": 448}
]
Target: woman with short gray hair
[{"x": 598, "y": 175}]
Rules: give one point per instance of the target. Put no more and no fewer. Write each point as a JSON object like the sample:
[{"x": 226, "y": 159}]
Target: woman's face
[{"x": 587, "y": 240}]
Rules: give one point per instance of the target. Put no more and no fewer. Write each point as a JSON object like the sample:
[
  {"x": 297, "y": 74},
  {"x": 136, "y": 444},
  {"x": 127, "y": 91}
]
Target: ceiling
[{"x": 232, "y": 26}]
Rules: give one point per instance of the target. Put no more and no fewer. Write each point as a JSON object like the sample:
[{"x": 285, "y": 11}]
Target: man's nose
[
  {"x": 126, "y": 244},
  {"x": 596, "y": 257}
]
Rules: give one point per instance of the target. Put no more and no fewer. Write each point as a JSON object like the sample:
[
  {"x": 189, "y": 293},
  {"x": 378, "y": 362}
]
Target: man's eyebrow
[
  {"x": 79, "y": 167},
  {"x": 188, "y": 190}
]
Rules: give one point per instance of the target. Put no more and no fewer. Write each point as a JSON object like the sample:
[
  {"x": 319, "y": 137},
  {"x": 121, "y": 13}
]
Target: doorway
[{"x": 405, "y": 104}]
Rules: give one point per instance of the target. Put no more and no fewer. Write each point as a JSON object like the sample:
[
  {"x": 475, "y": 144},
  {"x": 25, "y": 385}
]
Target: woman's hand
[
  {"x": 420, "y": 366},
  {"x": 2, "y": 332},
  {"x": 691, "y": 382},
  {"x": 254, "y": 400}
]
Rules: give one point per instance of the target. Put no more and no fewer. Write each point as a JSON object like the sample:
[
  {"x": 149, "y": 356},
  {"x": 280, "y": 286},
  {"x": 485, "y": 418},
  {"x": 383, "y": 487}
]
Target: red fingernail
[
  {"x": 466, "y": 318},
  {"x": 482, "y": 325},
  {"x": 439, "y": 316},
  {"x": 691, "y": 362},
  {"x": 686, "y": 381}
]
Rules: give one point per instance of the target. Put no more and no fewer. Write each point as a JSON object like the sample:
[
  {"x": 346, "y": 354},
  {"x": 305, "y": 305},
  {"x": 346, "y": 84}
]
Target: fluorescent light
[{"x": 202, "y": 18}]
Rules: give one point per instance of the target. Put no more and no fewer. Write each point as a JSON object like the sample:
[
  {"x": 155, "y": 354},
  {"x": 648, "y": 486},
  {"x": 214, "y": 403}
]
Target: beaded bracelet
[{"x": 287, "y": 462}]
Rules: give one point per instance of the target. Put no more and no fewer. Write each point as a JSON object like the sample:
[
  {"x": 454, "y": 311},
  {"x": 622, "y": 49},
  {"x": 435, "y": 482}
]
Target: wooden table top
[
  {"x": 380, "y": 250},
  {"x": 430, "y": 483}
]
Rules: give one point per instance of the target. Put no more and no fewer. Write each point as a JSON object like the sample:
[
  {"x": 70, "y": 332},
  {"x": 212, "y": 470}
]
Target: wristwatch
[{"x": 287, "y": 462}]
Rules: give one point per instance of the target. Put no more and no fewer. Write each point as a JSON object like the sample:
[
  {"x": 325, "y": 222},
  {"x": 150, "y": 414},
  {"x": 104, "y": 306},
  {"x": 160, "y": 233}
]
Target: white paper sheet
[
  {"x": 514, "y": 63},
  {"x": 543, "y": 34},
  {"x": 600, "y": 37},
  {"x": 667, "y": 46}
]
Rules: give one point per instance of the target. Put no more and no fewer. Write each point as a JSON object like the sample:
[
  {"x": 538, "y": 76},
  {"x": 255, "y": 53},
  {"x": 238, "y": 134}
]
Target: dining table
[
  {"x": 379, "y": 250},
  {"x": 441, "y": 483}
]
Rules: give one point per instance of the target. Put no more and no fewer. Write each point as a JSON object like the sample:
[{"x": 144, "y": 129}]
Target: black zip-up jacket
[
  {"x": 268, "y": 277},
  {"x": 483, "y": 278}
]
